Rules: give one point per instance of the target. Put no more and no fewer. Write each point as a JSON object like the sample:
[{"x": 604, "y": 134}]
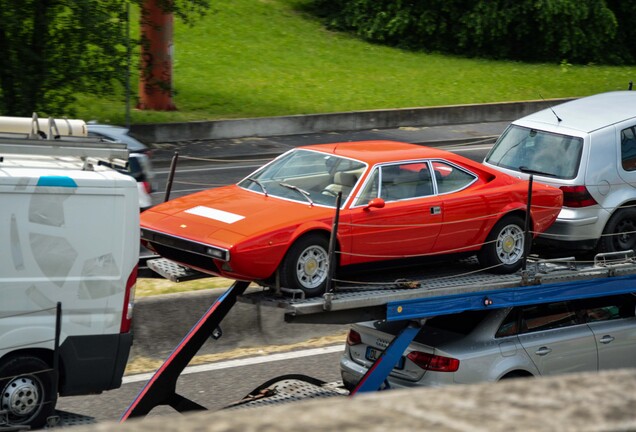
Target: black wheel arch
[
  {"x": 44, "y": 354},
  {"x": 518, "y": 373},
  {"x": 622, "y": 207},
  {"x": 519, "y": 213}
]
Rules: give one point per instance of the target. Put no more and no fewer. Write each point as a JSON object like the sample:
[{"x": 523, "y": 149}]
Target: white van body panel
[{"x": 68, "y": 234}]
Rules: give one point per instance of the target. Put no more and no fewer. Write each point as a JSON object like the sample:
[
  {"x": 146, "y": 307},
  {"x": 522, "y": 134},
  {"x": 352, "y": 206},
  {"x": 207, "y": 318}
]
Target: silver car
[
  {"x": 139, "y": 165},
  {"x": 587, "y": 148},
  {"x": 490, "y": 345}
]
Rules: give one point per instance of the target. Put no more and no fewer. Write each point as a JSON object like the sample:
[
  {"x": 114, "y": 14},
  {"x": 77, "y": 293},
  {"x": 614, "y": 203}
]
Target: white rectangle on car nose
[{"x": 215, "y": 214}]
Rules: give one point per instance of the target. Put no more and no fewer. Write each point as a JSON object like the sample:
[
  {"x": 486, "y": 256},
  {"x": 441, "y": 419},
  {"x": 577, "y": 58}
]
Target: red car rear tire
[{"x": 505, "y": 246}]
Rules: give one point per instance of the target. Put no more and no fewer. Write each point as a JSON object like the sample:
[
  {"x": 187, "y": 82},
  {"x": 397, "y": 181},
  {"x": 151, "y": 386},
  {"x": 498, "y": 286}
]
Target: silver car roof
[{"x": 586, "y": 114}]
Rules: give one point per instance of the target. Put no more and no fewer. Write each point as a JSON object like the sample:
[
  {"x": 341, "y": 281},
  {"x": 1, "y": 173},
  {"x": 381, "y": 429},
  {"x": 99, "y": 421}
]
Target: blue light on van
[{"x": 56, "y": 181}]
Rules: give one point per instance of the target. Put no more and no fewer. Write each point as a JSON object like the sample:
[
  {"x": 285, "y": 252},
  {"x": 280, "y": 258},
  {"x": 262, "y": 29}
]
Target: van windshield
[{"x": 550, "y": 154}]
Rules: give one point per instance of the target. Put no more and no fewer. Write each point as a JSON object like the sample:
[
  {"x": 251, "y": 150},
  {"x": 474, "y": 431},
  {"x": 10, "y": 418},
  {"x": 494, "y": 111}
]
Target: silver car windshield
[
  {"x": 545, "y": 153},
  {"x": 307, "y": 176}
]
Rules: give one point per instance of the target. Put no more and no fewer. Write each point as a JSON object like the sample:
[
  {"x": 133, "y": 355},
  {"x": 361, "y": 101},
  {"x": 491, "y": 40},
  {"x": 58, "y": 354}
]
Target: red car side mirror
[{"x": 375, "y": 203}]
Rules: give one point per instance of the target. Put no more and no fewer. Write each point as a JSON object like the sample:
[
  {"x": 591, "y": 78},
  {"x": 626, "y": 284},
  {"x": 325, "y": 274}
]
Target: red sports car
[{"x": 398, "y": 200}]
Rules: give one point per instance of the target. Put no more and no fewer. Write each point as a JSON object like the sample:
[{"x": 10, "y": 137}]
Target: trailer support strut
[
  {"x": 382, "y": 367},
  {"x": 161, "y": 388}
]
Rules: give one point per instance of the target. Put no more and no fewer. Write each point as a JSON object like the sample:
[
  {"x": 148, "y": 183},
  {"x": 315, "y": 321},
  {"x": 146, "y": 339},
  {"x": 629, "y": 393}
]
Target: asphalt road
[{"x": 212, "y": 389}]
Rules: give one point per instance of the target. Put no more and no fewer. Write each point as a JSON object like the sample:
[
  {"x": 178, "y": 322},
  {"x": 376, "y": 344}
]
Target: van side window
[{"x": 628, "y": 148}]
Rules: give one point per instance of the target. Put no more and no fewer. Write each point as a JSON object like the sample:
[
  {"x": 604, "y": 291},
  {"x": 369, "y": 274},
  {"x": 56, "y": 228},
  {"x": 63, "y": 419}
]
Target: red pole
[{"x": 155, "y": 81}]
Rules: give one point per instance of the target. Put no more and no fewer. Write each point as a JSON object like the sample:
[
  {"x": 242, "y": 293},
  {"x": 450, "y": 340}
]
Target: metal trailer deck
[
  {"x": 395, "y": 300},
  {"x": 441, "y": 290}
]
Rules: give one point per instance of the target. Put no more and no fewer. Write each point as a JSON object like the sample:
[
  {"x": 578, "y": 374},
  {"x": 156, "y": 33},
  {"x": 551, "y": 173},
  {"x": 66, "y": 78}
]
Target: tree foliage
[
  {"x": 623, "y": 46},
  {"x": 53, "y": 49},
  {"x": 578, "y": 31}
]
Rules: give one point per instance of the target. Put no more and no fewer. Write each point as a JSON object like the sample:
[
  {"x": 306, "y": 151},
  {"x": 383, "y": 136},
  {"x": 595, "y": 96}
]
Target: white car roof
[{"x": 586, "y": 114}]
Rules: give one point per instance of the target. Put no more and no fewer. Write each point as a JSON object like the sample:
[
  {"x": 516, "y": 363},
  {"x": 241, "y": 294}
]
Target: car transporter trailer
[{"x": 445, "y": 290}]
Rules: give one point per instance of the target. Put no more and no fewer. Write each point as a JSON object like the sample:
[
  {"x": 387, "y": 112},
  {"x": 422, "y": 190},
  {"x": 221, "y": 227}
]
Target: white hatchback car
[{"x": 587, "y": 148}]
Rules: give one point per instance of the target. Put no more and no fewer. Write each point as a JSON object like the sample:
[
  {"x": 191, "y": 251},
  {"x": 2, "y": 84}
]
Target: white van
[{"x": 69, "y": 234}]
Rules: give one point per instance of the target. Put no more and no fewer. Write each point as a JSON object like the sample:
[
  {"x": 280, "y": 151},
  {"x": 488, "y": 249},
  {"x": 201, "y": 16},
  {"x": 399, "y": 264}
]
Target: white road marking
[{"x": 242, "y": 362}]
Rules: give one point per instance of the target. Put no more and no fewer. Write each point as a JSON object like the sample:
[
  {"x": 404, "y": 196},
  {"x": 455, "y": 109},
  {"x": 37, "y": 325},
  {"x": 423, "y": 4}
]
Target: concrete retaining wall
[
  {"x": 161, "y": 322},
  {"x": 334, "y": 122}
]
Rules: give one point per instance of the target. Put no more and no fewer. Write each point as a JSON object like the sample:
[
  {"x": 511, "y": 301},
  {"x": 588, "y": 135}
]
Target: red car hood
[{"x": 229, "y": 214}]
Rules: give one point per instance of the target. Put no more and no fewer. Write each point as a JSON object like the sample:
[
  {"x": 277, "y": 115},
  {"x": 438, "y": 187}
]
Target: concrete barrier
[
  {"x": 577, "y": 402},
  {"x": 335, "y": 122},
  {"x": 161, "y": 322}
]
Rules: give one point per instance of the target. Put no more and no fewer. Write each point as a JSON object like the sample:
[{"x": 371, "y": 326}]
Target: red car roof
[{"x": 374, "y": 152}]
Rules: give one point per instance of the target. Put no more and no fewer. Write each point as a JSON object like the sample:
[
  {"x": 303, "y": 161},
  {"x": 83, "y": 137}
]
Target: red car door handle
[
  {"x": 607, "y": 339},
  {"x": 435, "y": 210},
  {"x": 543, "y": 351}
]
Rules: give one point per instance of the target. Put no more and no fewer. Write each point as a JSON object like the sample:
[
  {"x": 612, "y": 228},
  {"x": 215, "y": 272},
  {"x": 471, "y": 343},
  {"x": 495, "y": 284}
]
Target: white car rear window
[{"x": 545, "y": 153}]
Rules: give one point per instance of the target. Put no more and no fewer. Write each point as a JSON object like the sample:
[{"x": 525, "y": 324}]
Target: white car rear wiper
[
  {"x": 303, "y": 192},
  {"x": 527, "y": 170}
]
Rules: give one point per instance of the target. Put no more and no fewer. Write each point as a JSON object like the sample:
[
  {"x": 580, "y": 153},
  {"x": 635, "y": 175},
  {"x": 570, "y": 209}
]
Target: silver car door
[
  {"x": 612, "y": 321},
  {"x": 616, "y": 343},
  {"x": 556, "y": 340}
]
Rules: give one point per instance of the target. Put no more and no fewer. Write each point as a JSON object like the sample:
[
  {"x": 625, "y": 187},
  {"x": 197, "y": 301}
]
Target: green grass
[
  {"x": 254, "y": 58},
  {"x": 147, "y": 287}
]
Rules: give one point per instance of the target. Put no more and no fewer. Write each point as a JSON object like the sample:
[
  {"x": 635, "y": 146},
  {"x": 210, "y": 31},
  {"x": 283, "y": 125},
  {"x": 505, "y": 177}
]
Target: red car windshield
[{"x": 308, "y": 176}]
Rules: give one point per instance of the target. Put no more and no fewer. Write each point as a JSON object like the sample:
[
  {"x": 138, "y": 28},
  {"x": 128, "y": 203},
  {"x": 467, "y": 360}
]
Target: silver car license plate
[{"x": 373, "y": 354}]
